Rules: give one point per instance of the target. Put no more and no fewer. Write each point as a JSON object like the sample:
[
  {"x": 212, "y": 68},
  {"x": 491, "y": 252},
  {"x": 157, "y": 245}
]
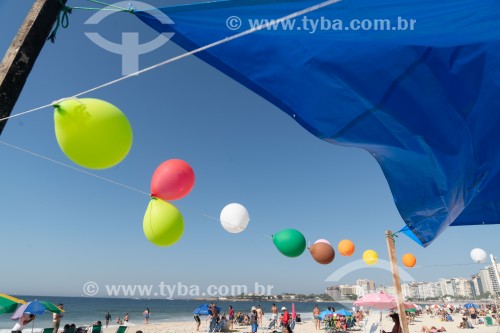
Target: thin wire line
[
  {"x": 74, "y": 168},
  {"x": 105, "y": 179},
  {"x": 105, "y": 9},
  {"x": 25, "y": 112},
  {"x": 446, "y": 265},
  {"x": 219, "y": 42},
  {"x": 198, "y": 50},
  {"x": 109, "y": 5}
]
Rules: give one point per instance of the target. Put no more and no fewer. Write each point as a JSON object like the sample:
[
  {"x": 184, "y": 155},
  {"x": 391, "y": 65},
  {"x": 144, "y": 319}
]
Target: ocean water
[{"x": 87, "y": 310}]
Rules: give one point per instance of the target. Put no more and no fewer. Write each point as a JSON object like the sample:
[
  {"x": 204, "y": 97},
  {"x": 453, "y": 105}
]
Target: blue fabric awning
[{"x": 423, "y": 101}]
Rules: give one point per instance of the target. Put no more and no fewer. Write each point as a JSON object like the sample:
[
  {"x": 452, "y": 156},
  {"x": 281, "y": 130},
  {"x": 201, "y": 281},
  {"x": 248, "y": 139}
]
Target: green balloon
[
  {"x": 290, "y": 242},
  {"x": 163, "y": 223},
  {"x": 92, "y": 133}
]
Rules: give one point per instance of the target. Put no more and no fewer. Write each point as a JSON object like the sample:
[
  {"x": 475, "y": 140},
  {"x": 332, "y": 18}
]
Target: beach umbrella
[
  {"x": 36, "y": 308},
  {"x": 378, "y": 300},
  {"x": 409, "y": 305},
  {"x": 8, "y": 304},
  {"x": 344, "y": 313},
  {"x": 470, "y": 305},
  {"x": 203, "y": 310},
  {"x": 435, "y": 306},
  {"x": 294, "y": 313},
  {"x": 325, "y": 314}
]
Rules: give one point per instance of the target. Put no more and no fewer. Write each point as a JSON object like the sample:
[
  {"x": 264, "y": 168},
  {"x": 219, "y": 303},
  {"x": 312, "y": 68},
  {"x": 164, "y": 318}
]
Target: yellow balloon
[
  {"x": 163, "y": 224},
  {"x": 91, "y": 132},
  {"x": 370, "y": 257}
]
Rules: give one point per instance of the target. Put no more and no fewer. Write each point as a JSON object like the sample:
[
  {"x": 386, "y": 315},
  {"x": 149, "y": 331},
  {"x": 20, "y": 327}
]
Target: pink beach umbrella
[
  {"x": 294, "y": 314},
  {"x": 378, "y": 300}
]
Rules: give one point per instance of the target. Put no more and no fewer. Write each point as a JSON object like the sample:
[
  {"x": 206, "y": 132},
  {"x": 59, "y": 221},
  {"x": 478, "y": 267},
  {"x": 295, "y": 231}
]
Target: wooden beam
[
  {"x": 23, "y": 52},
  {"x": 397, "y": 282}
]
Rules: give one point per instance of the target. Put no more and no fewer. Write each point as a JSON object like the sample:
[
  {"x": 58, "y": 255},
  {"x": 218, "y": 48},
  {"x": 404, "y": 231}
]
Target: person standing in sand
[
  {"x": 198, "y": 322},
  {"x": 317, "y": 321},
  {"x": 231, "y": 316},
  {"x": 107, "y": 317},
  {"x": 146, "y": 314},
  {"x": 56, "y": 319},
  {"x": 274, "y": 313},
  {"x": 254, "y": 319},
  {"x": 125, "y": 319},
  {"x": 260, "y": 315}
]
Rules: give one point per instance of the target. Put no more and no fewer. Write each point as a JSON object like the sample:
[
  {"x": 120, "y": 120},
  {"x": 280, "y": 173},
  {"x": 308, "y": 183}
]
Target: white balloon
[
  {"x": 322, "y": 241},
  {"x": 234, "y": 218},
  {"x": 478, "y": 255}
]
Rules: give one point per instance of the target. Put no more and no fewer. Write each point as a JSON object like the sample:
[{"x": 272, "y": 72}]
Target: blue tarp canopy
[
  {"x": 419, "y": 89},
  {"x": 203, "y": 310},
  {"x": 324, "y": 314}
]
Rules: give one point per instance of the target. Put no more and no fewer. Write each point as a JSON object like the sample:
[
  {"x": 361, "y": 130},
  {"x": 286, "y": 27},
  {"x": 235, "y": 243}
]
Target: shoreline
[{"x": 371, "y": 323}]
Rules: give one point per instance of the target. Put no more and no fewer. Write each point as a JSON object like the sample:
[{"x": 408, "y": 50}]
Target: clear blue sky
[{"x": 61, "y": 228}]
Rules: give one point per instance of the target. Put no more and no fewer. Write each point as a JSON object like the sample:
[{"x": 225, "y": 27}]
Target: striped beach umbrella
[{"x": 8, "y": 304}]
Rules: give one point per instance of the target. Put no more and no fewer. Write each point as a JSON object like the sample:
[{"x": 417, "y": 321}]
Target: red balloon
[{"x": 172, "y": 180}]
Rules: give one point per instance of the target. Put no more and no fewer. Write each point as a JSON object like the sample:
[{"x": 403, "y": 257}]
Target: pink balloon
[
  {"x": 322, "y": 241},
  {"x": 172, "y": 180}
]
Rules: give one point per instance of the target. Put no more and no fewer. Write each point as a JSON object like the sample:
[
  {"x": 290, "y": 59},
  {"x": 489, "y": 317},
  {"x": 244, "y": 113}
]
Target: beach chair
[
  {"x": 273, "y": 324},
  {"x": 121, "y": 329},
  {"x": 489, "y": 321},
  {"x": 47, "y": 330},
  {"x": 96, "y": 329}
]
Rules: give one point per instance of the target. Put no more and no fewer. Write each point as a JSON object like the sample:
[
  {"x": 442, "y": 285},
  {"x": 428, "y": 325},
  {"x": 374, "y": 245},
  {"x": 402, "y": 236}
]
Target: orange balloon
[
  {"x": 346, "y": 247},
  {"x": 323, "y": 253},
  {"x": 409, "y": 260}
]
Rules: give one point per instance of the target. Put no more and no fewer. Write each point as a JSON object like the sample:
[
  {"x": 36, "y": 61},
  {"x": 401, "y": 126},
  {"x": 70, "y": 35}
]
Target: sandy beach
[{"x": 308, "y": 326}]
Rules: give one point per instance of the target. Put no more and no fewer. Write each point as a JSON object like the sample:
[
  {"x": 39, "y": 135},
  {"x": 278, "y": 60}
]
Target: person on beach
[
  {"x": 317, "y": 321},
  {"x": 432, "y": 329},
  {"x": 397, "y": 327},
  {"x": 56, "y": 318},
  {"x": 254, "y": 319},
  {"x": 285, "y": 317},
  {"x": 198, "y": 322},
  {"x": 119, "y": 320},
  {"x": 146, "y": 314},
  {"x": 231, "y": 316},
  {"x": 274, "y": 315},
  {"x": 215, "y": 315},
  {"x": 107, "y": 318},
  {"x": 473, "y": 315},
  {"x": 125, "y": 319},
  {"x": 260, "y": 315},
  {"x": 23, "y": 321}
]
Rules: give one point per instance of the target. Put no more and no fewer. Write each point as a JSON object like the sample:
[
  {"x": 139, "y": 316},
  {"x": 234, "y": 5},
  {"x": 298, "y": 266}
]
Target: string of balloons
[{"x": 95, "y": 134}]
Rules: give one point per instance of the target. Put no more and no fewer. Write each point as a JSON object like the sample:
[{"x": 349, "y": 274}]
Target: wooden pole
[
  {"x": 397, "y": 281},
  {"x": 23, "y": 52}
]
